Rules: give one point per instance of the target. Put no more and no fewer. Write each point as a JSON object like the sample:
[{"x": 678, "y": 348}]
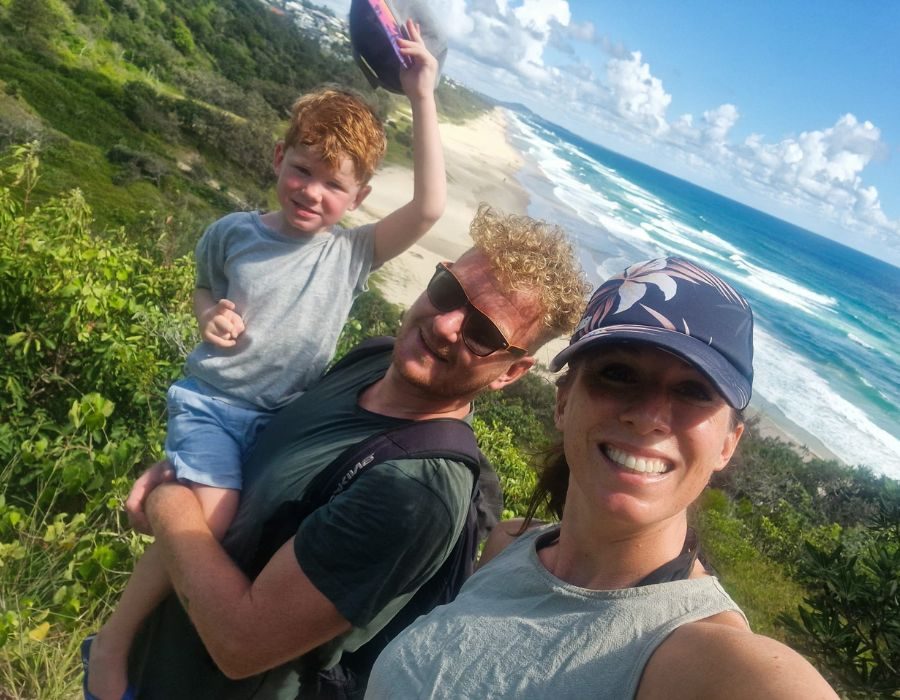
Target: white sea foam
[
  {"x": 684, "y": 239},
  {"x": 783, "y": 289},
  {"x": 859, "y": 341},
  {"x": 784, "y": 379},
  {"x": 588, "y": 204}
]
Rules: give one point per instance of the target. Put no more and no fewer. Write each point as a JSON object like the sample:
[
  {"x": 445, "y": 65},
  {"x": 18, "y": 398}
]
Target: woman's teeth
[{"x": 638, "y": 464}]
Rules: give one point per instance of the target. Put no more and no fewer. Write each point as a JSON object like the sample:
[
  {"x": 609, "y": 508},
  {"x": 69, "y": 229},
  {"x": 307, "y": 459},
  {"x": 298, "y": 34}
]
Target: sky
[{"x": 791, "y": 107}]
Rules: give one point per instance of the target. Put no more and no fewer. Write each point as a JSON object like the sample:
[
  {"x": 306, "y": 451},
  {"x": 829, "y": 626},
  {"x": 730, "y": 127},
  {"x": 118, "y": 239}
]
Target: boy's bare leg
[{"x": 148, "y": 586}]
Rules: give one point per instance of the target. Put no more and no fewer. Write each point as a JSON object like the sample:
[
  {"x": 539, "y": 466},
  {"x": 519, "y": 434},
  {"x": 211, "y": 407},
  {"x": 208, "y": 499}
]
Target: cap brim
[{"x": 731, "y": 384}]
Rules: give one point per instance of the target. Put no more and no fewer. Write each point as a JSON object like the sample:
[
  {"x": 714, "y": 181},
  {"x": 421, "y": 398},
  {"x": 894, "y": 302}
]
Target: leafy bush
[
  {"x": 91, "y": 332},
  {"x": 850, "y": 619},
  {"x": 759, "y": 585},
  {"x": 517, "y": 475}
]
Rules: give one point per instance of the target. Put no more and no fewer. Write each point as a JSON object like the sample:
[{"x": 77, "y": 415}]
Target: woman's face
[{"x": 643, "y": 433}]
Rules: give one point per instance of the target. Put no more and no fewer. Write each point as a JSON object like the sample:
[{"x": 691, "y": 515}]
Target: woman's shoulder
[{"x": 720, "y": 657}]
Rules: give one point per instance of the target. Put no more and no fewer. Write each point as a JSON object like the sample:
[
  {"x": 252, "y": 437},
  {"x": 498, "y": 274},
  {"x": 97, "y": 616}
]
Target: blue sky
[{"x": 792, "y": 107}]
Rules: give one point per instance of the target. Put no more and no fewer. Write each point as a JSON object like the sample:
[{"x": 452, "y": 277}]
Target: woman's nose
[{"x": 648, "y": 411}]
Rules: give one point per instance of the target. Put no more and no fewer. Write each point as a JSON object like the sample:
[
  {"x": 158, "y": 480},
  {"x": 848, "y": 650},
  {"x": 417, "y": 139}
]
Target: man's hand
[
  {"x": 220, "y": 324},
  {"x": 159, "y": 473},
  {"x": 419, "y": 79}
]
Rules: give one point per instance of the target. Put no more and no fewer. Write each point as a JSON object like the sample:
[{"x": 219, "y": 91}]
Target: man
[{"x": 353, "y": 563}]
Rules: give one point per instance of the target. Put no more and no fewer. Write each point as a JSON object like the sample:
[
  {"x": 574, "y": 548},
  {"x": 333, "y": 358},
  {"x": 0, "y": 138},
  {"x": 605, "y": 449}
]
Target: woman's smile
[{"x": 632, "y": 462}]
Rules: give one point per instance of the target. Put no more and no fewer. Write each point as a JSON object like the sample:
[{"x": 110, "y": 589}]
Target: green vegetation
[
  {"x": 162, "y": 116},
  {"x": 93, "y": 327},
  {"x": 168, "y": 112},
  {"x": 92, "y": 331}
]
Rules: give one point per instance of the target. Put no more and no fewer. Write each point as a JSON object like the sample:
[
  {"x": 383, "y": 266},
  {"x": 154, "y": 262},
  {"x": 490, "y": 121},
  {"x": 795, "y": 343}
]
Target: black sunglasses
[{"x": 479, "y": 332}]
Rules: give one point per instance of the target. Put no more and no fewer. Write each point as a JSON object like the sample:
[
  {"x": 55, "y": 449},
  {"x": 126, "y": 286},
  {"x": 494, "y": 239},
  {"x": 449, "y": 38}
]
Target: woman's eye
[
  {"x": 615, "y": 372},
  {"x": 695, "y": 391}
]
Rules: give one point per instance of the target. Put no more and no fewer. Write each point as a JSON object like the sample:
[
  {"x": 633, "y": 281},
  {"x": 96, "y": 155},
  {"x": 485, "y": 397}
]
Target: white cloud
[
  {"x": 718, "y": 122},
  {"x": 511, "y": 38},
  {"x": 822, "y": 169},
  {"x": 638, "y": 95},
  {"x": 454, "y": 16}
]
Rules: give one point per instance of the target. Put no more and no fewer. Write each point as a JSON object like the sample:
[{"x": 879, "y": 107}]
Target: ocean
[{"x": 827, "y": 329}]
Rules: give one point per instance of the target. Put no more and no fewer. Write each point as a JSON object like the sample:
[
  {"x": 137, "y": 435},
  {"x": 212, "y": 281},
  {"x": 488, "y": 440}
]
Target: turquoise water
[{"x": 827, "y": 316}]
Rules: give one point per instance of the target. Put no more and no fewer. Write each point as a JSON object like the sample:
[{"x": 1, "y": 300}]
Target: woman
[{"x": 612, "y": 602}]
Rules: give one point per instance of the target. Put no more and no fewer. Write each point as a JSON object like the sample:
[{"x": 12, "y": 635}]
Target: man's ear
[
  {"x": 512, "y": 373},
  {"x": 360, "y": 196}
]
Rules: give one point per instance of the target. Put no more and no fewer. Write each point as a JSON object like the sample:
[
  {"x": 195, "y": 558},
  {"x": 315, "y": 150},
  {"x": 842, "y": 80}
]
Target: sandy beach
[{"x": 481, "y": 167}]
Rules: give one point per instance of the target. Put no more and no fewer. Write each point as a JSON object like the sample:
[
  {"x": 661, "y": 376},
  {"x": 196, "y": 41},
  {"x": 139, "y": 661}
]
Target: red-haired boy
[{"x": 273, "y": 292}]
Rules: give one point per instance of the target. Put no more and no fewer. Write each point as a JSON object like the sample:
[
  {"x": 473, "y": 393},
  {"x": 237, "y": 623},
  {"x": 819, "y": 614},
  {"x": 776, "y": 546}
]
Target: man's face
[{"x": 430, "y": 352}]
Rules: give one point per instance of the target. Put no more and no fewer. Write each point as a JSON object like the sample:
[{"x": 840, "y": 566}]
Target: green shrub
[
  {"x": 850, "y": 617},
  {"x": 92, "y": 330},
  {"x": 757, "y": 583},
  {"x": 517, "y": 475}
]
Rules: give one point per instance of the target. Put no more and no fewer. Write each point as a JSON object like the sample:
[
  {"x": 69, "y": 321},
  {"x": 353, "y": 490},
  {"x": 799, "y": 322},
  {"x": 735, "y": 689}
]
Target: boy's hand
[
  {"x": 220, "y": 324},
  {"x": 419, "y": 79},
  {"x": 157, "y": 474},
  {"x": 404, "y": 226}
]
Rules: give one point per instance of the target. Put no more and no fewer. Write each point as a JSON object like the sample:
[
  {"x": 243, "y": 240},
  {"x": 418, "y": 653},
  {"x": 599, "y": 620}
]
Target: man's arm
[
  {"x": 403, "y": 227},
  {"x": 247, "y": 627}
]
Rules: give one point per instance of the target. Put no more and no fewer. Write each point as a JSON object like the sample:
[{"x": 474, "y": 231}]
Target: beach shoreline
[{"x": 482, "y": 166}]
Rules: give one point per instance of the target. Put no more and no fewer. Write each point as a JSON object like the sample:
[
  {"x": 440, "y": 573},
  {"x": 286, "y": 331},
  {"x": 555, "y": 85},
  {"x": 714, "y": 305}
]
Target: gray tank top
[{"x": 517, "y": 631}]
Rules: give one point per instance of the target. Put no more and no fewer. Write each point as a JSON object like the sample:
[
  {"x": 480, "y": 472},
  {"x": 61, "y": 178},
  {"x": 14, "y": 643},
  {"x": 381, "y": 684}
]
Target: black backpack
[{"x": 441, "y": 437}]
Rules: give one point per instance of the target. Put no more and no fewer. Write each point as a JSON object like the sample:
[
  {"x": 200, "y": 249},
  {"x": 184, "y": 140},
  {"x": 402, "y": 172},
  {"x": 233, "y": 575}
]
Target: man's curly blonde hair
[
  {"x": 340, "y": 124},
  {"x": 533, "y": 256}
]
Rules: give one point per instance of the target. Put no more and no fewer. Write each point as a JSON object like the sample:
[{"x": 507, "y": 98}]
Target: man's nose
[{"x": 448, "y": 324}]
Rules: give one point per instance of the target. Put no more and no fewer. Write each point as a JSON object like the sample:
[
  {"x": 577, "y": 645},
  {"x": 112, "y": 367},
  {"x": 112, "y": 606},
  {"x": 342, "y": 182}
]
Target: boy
[{"x": 273, "y": 292}]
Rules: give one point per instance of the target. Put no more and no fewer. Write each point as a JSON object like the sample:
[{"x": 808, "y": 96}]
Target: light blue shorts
[{"x": 209, "y": 436}]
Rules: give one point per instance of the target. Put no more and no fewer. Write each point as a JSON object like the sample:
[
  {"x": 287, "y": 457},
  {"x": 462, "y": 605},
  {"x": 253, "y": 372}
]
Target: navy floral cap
[{"x": 676, "y": 305}]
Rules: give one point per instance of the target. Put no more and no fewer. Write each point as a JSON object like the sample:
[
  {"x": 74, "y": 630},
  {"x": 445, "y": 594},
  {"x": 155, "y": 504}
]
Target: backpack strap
[
  {"x": 449, "y": 438},
  {"x": 367, "y": 348}
]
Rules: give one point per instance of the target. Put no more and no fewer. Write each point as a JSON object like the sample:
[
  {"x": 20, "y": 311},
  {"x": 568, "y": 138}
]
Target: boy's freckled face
[{"x": 312, "y": 194}]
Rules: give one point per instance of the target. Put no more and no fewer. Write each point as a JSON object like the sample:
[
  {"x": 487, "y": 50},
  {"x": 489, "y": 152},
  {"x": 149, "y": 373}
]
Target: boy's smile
[{"x": 312, "y": 194}]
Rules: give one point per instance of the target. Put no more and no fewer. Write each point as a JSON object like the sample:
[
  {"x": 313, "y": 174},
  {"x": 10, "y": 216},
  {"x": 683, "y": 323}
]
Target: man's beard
[{"x": 445, "y": 380}]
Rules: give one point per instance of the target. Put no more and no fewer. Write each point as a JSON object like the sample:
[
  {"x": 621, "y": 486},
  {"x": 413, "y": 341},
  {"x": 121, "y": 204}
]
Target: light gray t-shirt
[
  {"x": 517, "y": 631},
  {"x": 294, "y": 295}
]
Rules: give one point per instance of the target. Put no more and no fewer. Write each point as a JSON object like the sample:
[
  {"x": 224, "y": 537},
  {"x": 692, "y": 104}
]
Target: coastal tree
[{"x": 850, "y": 619}]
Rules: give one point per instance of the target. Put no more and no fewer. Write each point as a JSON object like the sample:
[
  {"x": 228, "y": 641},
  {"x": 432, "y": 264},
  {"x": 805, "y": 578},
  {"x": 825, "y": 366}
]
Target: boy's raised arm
[{"x": 403, "y": 227}]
